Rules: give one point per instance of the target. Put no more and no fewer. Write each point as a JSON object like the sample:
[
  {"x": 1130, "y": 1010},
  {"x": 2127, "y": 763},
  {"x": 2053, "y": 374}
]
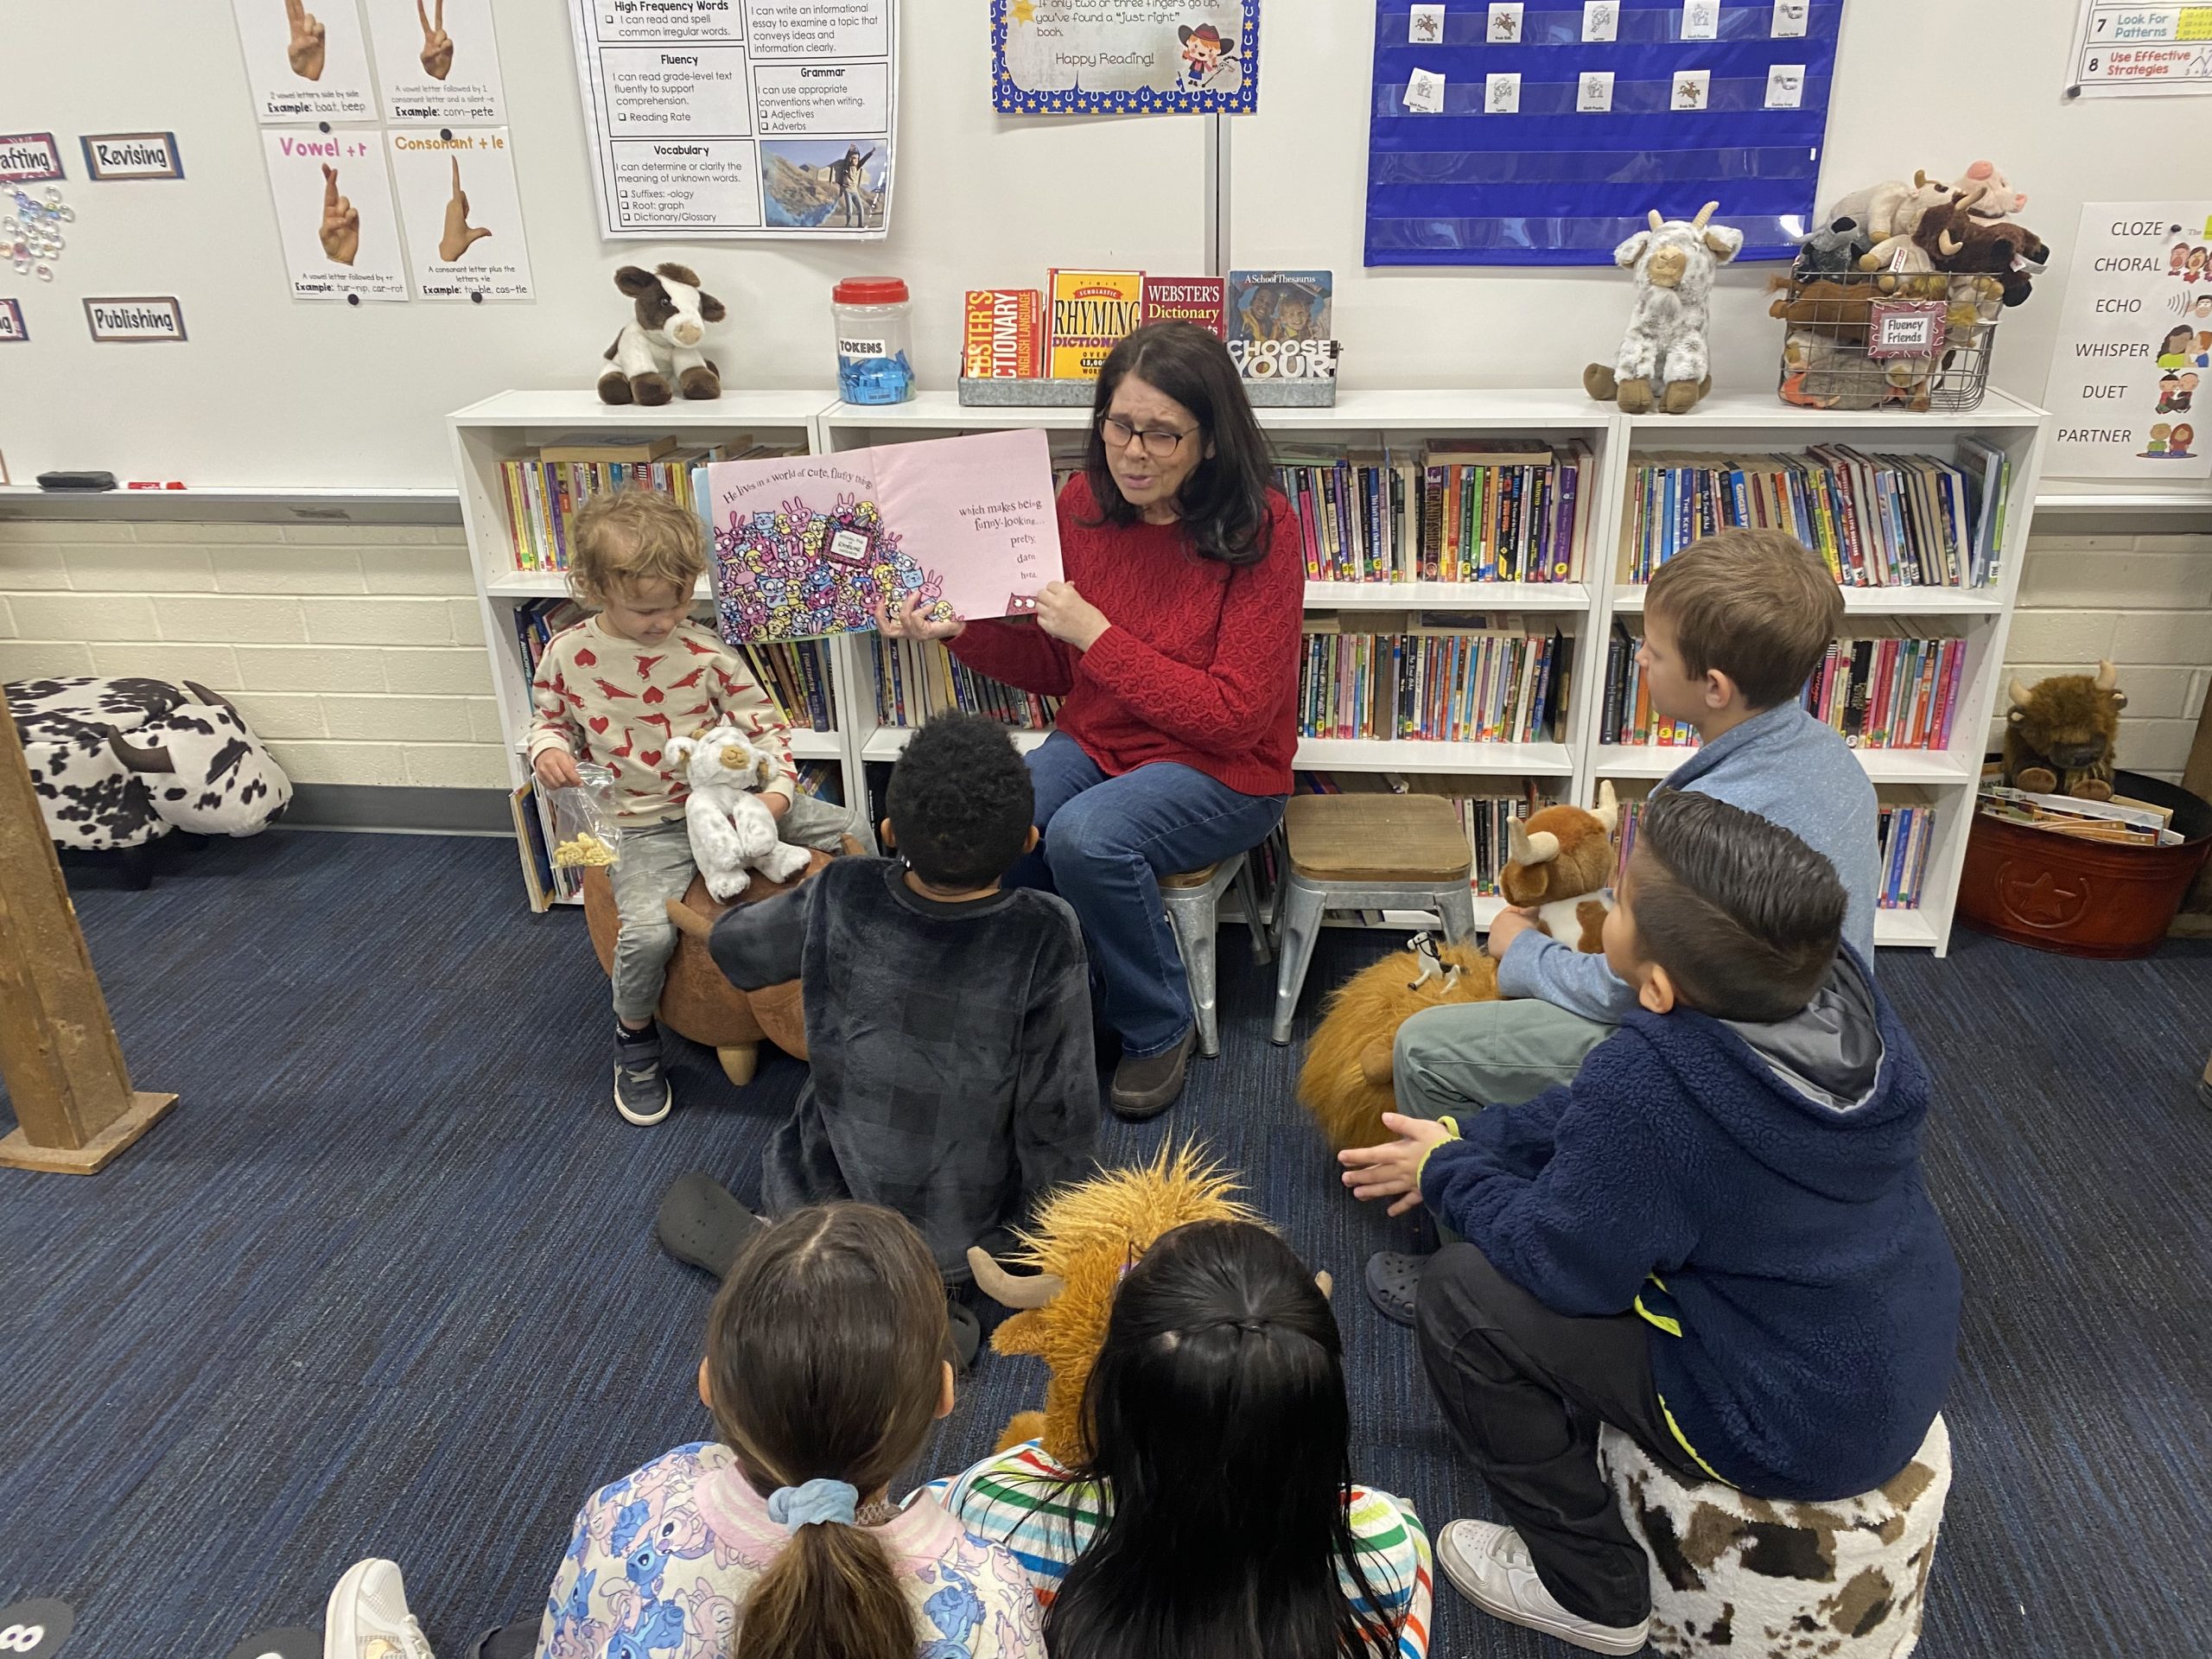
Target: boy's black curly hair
[{"x": 960, "y": 802}]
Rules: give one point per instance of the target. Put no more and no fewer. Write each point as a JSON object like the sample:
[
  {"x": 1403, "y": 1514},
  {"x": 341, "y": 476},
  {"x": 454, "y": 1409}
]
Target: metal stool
[
  {"x": 1192, "y": 901},
  {"x": 1366, "y": 852}
]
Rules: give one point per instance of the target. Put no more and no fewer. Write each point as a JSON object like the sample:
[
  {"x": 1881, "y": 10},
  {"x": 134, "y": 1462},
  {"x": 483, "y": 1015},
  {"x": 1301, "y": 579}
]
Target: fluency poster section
[
  {"x": 1513, "y": 134},
  {"x": 726, "y": 118}
]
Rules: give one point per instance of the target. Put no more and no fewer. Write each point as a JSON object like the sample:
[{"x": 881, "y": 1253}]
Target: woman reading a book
[{"x": 1173, "y": 643}]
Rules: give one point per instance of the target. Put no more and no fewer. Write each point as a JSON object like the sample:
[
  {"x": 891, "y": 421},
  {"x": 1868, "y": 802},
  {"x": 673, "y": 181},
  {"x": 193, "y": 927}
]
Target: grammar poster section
[
  {"x": 2135, "y": 344},
  {"x": 739, "y": 117}
]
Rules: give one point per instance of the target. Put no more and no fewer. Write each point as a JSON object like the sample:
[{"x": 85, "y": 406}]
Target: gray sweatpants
[
  {"x": 1454, "y": 1061},
  {"x": 656, "y": 866}
]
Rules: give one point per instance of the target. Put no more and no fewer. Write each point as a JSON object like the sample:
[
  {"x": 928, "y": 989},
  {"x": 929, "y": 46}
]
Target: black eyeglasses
[{"x": 1159, "y": 441}]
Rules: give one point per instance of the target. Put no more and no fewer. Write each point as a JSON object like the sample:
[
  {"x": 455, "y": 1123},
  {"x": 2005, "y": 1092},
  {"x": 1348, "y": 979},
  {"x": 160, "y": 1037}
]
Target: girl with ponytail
[{"x": 824, "y": 1369}]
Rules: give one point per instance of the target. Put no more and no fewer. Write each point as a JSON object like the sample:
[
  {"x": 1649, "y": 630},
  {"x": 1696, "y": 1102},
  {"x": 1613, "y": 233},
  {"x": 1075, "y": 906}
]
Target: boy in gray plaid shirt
[{"x": 948, "y": 1018}]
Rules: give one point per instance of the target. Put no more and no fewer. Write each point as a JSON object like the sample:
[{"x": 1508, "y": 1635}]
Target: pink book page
[
  {"x": 976, "y": 512},
  {"x": 805, "y": 545}
]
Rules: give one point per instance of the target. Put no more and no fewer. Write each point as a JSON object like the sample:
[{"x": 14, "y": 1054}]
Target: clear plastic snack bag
[{"x": 584, "y": 832}]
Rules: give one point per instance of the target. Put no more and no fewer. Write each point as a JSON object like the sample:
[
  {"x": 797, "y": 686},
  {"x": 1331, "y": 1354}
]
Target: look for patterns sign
[{"x": 1114, "y": 57}]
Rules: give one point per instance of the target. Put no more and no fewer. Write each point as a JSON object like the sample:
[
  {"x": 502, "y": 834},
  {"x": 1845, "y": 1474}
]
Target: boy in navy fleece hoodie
[{"x": 1716, "y": 1238}]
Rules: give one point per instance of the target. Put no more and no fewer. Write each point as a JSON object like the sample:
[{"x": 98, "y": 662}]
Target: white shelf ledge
[
  {"x": 1447, "y": 596},
  {"x": 1742, "y": 410},
  {"x": 237, "y": 503},
  {"x": 1412, "y": 755},
  {"x": 2086, "y": 498},
  {"x": 810, "y": 745},
  {"x": 1872, "y": 601},
  {"x": 889, "y": 742},
  {"x": 581, "y": 411},
  {"x": 1930, "y": 768},
  {"x": 1514, "y": 409},
  {"x": 1906, "y": 928}
]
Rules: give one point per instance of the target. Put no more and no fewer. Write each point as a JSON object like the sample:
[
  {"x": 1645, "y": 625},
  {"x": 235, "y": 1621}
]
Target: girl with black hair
[
  {"x": 1215, "y": 1518},
  {"x": 1174, "y": 643}
]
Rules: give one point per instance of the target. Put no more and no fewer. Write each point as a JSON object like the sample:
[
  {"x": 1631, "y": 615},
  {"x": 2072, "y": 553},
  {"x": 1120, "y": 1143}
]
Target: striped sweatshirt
[{"x": 1019, "y": 1498}]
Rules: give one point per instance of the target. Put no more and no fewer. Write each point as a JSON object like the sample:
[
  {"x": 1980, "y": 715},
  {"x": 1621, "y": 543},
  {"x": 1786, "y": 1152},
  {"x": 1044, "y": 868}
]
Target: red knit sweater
[{"x": 1201, "y": 666}]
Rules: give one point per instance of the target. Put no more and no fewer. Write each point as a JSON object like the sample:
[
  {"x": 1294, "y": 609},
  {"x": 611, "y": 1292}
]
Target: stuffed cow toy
[
  {"x": 733, "y": 832},
  {"x": 1664, "y": 362},
  {"x": 663, "y": 342}
]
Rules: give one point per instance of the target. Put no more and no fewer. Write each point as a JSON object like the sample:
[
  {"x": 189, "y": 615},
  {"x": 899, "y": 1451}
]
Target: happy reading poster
[{"x": 805, "y": 545}]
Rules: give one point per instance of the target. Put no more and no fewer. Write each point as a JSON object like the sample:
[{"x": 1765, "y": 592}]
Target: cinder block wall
[
  {"x": 2144, "y": 602},
  {"x": 356, "y": 651}
]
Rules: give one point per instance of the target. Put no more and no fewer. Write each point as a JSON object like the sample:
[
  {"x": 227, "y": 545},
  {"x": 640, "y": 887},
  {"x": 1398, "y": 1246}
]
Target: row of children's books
[
  {"x": 1877, "y": 521},
  {"x": 1067, "y": 329},
  {"x": 1466, "y": 510},
  {"x": 794, "y": 673},
  {"x": 549, "y": 884},
  {"x": 544, "y": 493},
  {"x": 916, "y": 678},
  {"x": 1895, "y": 690},
  {"x": 1907, "y": 836},
  {"x": 2121, "y": 821},
  {"x": 1450, "y": 681}
]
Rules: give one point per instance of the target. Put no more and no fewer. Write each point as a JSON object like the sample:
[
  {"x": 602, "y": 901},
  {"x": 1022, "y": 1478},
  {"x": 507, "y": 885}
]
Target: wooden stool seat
[
  {"x": 1366, "y": 852},
  {"x": 1379, "y": 838},
  {"x": 1189, "y": 878}
]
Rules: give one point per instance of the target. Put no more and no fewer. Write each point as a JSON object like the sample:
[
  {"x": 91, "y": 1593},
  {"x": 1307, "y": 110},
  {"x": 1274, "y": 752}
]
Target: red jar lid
[{"x": 870, "y": 290}]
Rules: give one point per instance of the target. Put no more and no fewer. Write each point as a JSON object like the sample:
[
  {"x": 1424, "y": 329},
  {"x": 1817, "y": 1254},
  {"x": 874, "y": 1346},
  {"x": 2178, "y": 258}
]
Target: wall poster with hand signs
[
  {"x": 334, "y": 214},
  {"x": 461, "y": 213},
  {"x": 306, "y": 60},
  {"x": 436, "y": 61}
]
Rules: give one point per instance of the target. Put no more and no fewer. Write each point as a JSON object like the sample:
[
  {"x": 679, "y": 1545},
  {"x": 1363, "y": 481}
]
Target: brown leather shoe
[{"x": 1146, "y": 1088}]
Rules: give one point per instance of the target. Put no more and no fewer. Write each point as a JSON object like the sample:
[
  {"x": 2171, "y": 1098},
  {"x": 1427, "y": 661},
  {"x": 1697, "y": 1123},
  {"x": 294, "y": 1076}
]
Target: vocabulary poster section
[{"x": 739, "y": 117}]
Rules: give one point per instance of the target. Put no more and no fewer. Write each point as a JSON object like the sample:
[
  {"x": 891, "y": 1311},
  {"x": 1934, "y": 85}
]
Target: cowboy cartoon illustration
[{"x": 1207, "y": 53}]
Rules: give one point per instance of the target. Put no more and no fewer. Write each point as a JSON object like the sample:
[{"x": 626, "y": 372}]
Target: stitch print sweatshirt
[
  {"x": 612, "y": 701},
  {"x": 1201, "y": 666}
]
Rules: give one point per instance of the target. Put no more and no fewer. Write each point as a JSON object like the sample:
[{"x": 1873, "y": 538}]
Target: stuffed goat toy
[
  {"x": 663, "y": 341},
  {"x": 733, "y": 832},
  {"x": 1664, "y": 362},
  {"x": 1561, "y": 863}
]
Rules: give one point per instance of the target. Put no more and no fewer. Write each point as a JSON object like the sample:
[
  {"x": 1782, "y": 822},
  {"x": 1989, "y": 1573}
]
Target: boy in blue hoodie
[
  {"x": 1716, "y": 1238},
  {"x": 1733, "y": 626}
]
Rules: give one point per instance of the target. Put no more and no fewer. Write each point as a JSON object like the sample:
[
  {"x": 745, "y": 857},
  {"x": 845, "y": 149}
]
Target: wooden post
[
  {"x": 75, "y": 1105},
  {"x": 2195, "y": 921}
]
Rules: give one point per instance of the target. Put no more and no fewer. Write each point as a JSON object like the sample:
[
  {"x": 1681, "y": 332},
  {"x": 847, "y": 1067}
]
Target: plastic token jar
[{"x": 873, "y": 337}]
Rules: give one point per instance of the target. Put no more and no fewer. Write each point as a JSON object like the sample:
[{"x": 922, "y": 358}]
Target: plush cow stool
[
  {"x": 117, "y": 764},
  {"x": 1751, "y": 1578},
  {"x": 696, "y": 1000}
]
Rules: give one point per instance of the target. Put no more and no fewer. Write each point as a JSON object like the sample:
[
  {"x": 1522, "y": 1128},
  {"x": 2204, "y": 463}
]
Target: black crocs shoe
[
  {"x": 1393, "y": 1279},
  {"x": 701, "y": 1223}
]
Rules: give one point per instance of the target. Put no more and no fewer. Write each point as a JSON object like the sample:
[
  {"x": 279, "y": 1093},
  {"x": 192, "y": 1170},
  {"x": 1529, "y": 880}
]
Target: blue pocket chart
[{"x": 1551, "y": 149}]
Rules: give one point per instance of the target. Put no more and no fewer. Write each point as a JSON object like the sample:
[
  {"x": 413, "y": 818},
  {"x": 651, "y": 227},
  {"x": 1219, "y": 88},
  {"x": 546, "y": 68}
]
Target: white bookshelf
[
  {"x": 1946, "y": 779},
  {"x": 511, "y": 425}
]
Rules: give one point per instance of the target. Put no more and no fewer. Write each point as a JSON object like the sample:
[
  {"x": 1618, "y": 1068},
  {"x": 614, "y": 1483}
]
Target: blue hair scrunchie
[{"x": 814, "y": 1504}]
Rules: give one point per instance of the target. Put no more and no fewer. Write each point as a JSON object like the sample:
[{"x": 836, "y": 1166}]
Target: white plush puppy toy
[
  {"x": 664, "y": 341},
  {"x": 733, "y": 832}
]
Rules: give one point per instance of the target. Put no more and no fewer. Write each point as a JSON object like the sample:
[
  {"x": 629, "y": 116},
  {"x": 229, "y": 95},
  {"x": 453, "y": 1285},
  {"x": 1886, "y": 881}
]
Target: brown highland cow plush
[{"x": 2063, "y": 738}]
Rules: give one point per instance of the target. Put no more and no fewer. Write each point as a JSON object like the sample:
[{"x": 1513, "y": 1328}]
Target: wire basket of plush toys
[{"x": 1895, "y": 298}]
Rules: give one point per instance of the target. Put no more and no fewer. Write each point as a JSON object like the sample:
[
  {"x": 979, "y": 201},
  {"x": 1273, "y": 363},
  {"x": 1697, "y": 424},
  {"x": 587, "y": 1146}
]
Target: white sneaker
[
  {"x": 1489, "y": 1566},
  {"x": 367, "y": 1618}
]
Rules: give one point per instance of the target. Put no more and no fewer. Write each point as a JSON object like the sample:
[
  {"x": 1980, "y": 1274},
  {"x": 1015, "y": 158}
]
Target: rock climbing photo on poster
[
  {"x": 334, "y": 215},
  {"x": 461, "y": 213},
  {"x": 840, "y": 184},
  {"x": 2134, "y": 345},
  {"x": 1103, "y": 57}
]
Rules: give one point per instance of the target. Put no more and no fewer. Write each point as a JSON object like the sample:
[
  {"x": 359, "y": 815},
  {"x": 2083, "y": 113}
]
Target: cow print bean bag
[
  {"x": 117, "y": 763},
  {"x": 1736, "y": 1577}
]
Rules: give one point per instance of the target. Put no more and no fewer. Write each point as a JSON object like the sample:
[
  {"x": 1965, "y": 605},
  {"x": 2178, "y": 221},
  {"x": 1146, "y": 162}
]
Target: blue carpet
[{"x": 384, "y": 1283}]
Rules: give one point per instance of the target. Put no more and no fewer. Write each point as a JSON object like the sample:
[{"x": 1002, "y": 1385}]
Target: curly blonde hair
[{"x": 631, "y": 538}]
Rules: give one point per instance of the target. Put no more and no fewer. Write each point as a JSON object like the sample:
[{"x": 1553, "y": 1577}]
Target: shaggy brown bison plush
[
  {"x": 1562, "y": 859},
  {"x": 2063, "y": 736}
]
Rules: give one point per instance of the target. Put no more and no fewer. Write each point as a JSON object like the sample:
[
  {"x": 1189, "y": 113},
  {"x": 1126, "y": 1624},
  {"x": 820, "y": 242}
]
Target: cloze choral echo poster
[{"x": 805, "y": 545}]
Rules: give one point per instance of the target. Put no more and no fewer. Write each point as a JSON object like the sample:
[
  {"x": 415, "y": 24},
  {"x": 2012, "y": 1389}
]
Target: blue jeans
[{"x": 1107, "y": 841}]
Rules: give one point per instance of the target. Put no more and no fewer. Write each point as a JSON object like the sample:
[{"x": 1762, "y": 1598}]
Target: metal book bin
[{"x": 1917, "y": 341}]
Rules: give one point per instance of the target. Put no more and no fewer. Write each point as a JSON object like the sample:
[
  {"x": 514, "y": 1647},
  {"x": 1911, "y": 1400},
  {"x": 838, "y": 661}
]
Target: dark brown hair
[
  {"x": 1744, "y": 917},
  {"x": 1755, "y": 604},
  {"x": 825, "y": 1354},
  {"x": 1224, "y": 502}
]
